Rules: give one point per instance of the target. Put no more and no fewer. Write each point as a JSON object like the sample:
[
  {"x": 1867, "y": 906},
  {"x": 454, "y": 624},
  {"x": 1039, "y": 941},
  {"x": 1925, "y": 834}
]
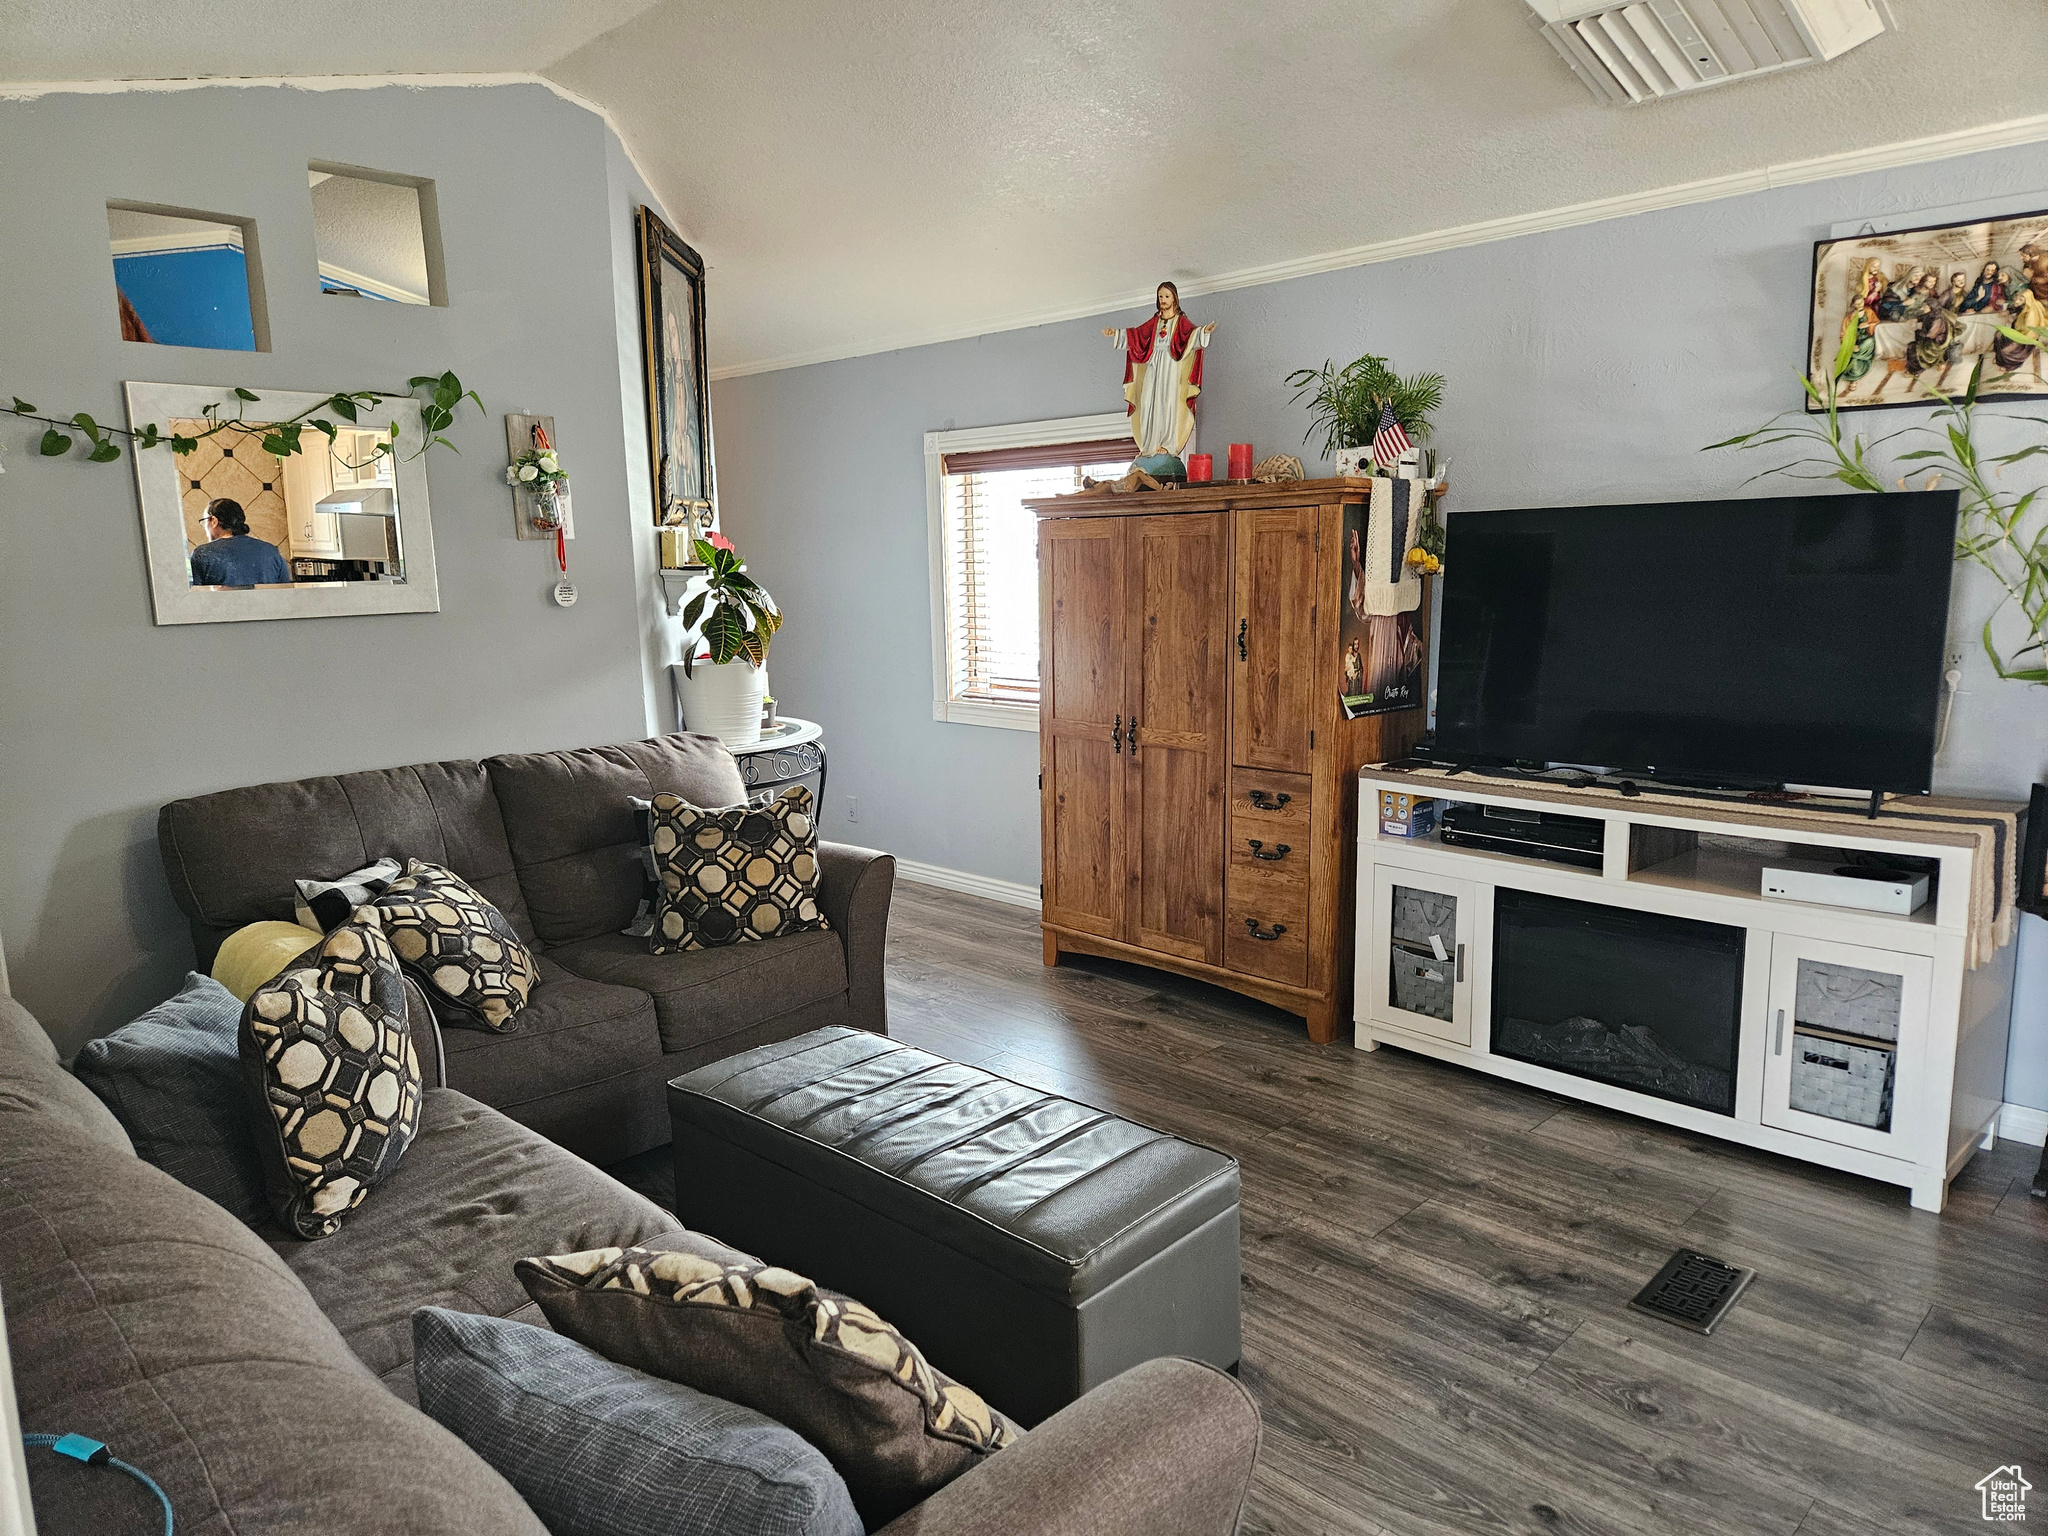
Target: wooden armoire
[{"x": 1198, "y": 781}]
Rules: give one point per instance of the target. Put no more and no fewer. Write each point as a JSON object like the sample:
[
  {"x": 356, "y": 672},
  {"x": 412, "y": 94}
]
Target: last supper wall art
[{"x": 1913, "y": 313}]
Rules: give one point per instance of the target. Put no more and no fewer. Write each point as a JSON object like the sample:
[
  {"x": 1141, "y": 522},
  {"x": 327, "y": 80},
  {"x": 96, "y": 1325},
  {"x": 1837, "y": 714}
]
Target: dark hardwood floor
[{"x": 1437, "y": 1266}]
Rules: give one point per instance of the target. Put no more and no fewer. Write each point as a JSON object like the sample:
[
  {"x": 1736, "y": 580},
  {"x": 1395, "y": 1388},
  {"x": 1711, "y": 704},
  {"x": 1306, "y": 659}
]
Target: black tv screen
[{"x": 1773, "y": 640}]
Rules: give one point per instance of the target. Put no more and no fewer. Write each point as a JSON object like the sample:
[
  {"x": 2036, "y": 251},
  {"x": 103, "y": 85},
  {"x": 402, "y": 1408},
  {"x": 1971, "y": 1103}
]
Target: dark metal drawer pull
[
  {"x": 1242, "y": 626},
  {"x": 1261, "y": 802},
  {"x": 1116, "y": 735},
  {"x": 1252, "y": 923},
  {"x": 1280, "y": 850}
]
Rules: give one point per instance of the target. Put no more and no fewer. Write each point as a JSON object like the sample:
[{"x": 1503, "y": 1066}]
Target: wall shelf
[{"x": 675, "y": 586}]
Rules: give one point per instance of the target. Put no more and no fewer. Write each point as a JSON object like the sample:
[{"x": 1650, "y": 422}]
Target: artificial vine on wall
[
  {"x": 2000, "y": 531},
  {"x": 281, "y": 439}
]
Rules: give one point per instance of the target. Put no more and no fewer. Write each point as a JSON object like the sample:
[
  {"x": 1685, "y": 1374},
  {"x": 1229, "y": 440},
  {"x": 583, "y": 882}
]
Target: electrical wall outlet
[{"x": 852, "y": 808}]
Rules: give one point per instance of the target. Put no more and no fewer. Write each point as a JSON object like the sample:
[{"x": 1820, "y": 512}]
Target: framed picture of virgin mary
[
  {"x": 672, "y": 351},
  {"x": 1913, "y": 313}
]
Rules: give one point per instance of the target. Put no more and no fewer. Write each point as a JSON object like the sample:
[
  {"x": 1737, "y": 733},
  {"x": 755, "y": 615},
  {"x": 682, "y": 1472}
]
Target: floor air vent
[
  {"x": 1693, "y": 1290},
  {"x": 1631, "y": 53}
]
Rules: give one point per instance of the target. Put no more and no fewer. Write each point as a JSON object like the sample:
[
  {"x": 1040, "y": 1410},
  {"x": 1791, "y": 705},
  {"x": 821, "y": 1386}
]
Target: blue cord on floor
[{"x": 95, "y": 1454}]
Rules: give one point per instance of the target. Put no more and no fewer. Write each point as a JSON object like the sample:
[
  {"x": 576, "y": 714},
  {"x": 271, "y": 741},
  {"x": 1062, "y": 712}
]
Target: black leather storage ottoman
[{"x": 1033, "y": 1247}]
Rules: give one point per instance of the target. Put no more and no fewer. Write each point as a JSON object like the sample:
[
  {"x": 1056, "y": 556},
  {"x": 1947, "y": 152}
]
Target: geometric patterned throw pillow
[
  {"x": 327, "y": 904},
  {"x": 727, "y": 876},
  {"x": 331, "y": 1078},
  {"x": 894, "y": 1427},
  {"x": 457, "y": 945}
]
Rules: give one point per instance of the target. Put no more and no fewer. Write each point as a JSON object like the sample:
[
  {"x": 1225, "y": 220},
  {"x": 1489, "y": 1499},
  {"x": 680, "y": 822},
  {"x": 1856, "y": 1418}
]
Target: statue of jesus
[{"x": 1162, "y": 374}]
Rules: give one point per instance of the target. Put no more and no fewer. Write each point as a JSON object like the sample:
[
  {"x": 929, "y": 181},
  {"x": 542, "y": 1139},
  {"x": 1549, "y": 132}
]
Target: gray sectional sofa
[
  {"x": 550, "y": 838},
  {"x": 265, "y": 1382}
]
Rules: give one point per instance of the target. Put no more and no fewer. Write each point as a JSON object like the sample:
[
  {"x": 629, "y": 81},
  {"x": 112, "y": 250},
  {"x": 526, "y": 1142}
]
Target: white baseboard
[
  {"x": 2016, "y": 1122},
  {"x": 1008, "y": 892}
]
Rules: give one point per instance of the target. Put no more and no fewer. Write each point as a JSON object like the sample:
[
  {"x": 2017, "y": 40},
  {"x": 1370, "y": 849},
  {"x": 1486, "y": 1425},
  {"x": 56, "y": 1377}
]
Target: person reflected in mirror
[{"x": 231, "y": 555}]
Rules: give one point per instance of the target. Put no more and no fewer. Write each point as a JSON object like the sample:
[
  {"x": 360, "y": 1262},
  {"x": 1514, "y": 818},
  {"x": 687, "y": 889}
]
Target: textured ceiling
[
  {"x": 864, "y": 175},
  {"x": 873, "y": 174}
]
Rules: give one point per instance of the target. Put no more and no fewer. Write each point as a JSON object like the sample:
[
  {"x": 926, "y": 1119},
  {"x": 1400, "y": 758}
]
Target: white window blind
[{"x": 992, "y": 562}]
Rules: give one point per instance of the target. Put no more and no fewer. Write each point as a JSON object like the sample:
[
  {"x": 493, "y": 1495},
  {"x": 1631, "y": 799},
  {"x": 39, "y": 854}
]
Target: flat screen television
[{"x": 1737, "y": 644}]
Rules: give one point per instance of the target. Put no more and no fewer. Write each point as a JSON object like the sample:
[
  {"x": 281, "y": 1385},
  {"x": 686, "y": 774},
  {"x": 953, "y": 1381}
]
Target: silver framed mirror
[{"x": 234, "y": 533}]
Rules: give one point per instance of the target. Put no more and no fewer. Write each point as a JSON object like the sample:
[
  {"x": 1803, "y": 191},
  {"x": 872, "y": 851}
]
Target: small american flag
[{"x": 1390, "y": 442}]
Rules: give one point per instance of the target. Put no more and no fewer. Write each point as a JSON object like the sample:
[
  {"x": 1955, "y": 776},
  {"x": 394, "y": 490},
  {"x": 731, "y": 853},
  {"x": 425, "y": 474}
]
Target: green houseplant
[
  {"x": 2001, "y": 531},
  {"x": 724, "y": 667},
  {"x": 1345, "y": 404}
]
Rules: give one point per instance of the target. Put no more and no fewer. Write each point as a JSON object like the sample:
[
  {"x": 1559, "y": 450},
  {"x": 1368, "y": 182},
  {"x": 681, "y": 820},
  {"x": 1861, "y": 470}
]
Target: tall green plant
[
  {"x": 742, "y": 618},
  {"x": 2003, "y": 532},
  {"x": 1345, "y": 404}
]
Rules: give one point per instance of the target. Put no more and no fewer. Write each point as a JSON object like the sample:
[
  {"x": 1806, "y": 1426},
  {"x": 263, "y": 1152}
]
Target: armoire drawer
[
  {"x": 1276, "y": 800},
  {"x": 1265, "y": 926}
]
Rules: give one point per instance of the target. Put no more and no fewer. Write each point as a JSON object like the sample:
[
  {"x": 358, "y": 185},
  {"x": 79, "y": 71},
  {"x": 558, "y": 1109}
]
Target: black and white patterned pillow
[
  {"x": 327, "y": 904},
  {"x": 727, "y": 876},
  {"x": 650, "y": 870},
  {"x": 457, "y": 945},
  {"x": 330, "y": 1075}
]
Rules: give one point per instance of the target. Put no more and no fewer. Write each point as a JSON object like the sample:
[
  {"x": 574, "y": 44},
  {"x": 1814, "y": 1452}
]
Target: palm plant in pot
[
  {"x": 1346, "y": 405},
  {"x": 725, "y": 663}
]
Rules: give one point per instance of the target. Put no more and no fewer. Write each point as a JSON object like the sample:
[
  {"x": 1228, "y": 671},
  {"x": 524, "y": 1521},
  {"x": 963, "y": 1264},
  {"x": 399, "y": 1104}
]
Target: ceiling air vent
[{"x": 1628, "y": 54}]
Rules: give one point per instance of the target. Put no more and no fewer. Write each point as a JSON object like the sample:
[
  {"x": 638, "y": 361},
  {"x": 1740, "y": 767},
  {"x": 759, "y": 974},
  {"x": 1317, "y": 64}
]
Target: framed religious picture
[
  {"x": 672, "y": 351},
  {"x": 1382, "y": 652},
  {"x": 1913, "y": 313}
]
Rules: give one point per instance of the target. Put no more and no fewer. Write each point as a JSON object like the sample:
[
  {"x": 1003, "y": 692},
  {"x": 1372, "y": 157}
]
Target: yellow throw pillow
[{"x": 251, "y": 956}]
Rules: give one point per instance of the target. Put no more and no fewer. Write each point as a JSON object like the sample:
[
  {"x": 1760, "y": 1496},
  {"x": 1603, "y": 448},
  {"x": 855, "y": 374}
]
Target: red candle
[
  {"x": 1240, "y": 461},
  {"x": 1201, "y": 468}
]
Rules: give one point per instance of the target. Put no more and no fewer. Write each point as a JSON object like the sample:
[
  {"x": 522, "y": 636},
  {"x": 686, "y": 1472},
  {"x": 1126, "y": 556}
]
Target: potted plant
[
  {"x": 725, "y": 662},
  {"x": 1347, "y": 404}
]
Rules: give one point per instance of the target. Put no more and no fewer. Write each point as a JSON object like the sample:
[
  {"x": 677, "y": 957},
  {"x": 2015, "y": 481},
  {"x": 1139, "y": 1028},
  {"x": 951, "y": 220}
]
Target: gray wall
[
  {"x": 1586, "y": 364},
  {"x": 104, "y": 716}
]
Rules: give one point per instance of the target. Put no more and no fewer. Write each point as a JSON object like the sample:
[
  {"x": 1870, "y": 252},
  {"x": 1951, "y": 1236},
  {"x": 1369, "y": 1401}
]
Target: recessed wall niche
[
  {"x": 183, "y": 278},
  {"x": 377, "y": 235}
]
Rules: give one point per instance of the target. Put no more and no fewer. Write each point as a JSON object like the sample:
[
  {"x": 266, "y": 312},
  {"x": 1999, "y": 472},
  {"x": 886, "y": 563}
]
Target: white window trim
[{"x": 1022, "y": 434}]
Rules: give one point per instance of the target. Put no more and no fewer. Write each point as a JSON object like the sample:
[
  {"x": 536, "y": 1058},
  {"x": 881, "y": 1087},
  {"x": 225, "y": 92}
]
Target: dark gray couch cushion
[
  {"x": 475, "y": 1193},
  {"x": 572, "y": 1032},
  {"x": 34, "y": 1084},
  {"x": 705, "y": 995},
  {"x": 599, "y": 1449},
  {"x": 174, "y": 1080},
  {"x": 570, "y": 820},
  {"x": 232, "y": 857},
  {"x": 142, "y": 1314}
]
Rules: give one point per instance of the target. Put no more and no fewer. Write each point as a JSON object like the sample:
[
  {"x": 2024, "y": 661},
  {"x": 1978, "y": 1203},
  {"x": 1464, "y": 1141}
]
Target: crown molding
[{"x": 1941, "y": 146}]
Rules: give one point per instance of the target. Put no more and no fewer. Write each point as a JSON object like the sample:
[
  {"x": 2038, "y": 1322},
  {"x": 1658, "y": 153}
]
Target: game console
[{"x": 1901, "y": 892}]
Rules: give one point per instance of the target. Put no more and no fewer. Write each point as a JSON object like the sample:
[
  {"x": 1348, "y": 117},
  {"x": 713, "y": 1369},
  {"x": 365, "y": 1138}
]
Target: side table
[{"x": 788, "y": 752}]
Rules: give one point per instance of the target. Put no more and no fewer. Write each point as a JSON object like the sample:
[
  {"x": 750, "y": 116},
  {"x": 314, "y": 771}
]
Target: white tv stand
[{"x": 1948, "y": 1072}]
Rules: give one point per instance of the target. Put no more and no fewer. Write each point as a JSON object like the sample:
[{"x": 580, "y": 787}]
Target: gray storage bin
[
  {"x": 1419, "y": 913},
  {"x": 1845, "y": 1000},
  {"x": 1422, "y": 984},
  {"x": 1850, "y": 1083}
]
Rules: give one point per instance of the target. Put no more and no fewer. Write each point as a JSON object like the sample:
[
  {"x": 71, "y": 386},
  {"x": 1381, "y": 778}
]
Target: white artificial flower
[
  {"x": 547, "y": 462},
  {"x": 528, "y": 472},
  {"x": 511, "y": 474}
]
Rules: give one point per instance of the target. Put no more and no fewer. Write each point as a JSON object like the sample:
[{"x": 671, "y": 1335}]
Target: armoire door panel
[
  {"x": 1082, "y": 678},
  {"x": 1177, "y": 747},
  {"x": 1273, "y": 639}
]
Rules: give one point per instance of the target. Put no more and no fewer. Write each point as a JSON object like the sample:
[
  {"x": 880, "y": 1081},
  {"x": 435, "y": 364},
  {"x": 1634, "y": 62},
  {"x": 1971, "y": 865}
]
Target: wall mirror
[
  {"x": 236, "y": 532},
  {"x": 185, "y": 279},
  {"x": 376, "y": 235}
]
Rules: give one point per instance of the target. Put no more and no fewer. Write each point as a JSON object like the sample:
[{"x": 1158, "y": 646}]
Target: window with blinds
[{"x": 992, "y": 559}]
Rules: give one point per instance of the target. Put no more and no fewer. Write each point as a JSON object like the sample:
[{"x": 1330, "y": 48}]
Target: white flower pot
[
  {"x": 1353, "y": 461},
  {"x": 723, "y": 701}
]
